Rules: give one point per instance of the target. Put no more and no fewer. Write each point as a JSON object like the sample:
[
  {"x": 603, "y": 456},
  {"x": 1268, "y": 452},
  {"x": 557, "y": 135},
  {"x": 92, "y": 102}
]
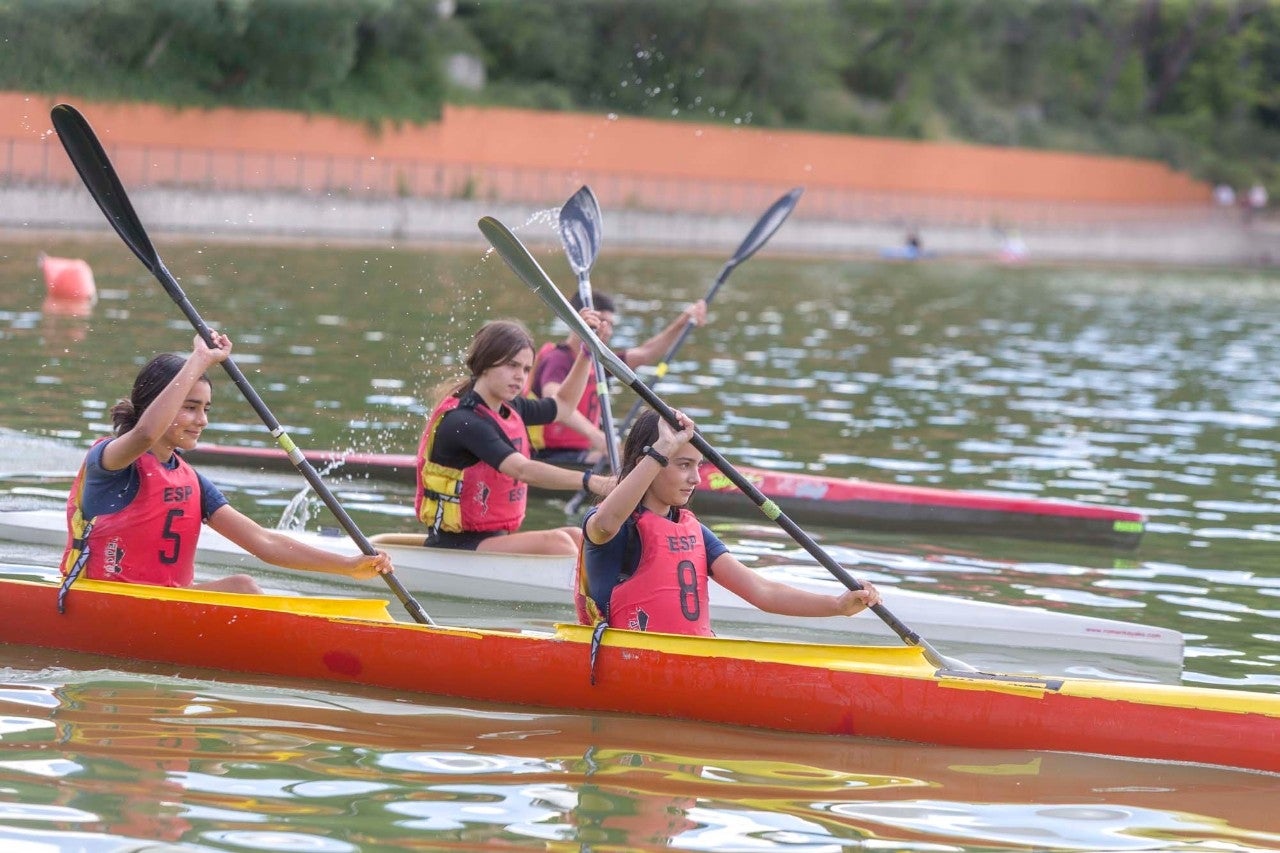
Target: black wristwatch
[{"x": 648, "y": 450}]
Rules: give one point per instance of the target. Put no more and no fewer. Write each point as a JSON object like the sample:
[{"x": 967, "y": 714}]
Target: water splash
[{"x": 299, "y": 511}]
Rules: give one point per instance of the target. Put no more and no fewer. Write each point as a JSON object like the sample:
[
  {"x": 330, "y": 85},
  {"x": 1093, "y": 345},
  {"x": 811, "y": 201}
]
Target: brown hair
[
  {"x": 497, "y": 342},
  {"x": 644, "y": 431},
  {"x": 599, "y": 301},
  {"x": 153, "y": 378}
]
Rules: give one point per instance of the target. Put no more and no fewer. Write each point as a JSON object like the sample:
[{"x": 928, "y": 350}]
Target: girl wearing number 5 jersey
[
  {"x": 135, "y": 508},
  {"x": 646, "y": 558}
]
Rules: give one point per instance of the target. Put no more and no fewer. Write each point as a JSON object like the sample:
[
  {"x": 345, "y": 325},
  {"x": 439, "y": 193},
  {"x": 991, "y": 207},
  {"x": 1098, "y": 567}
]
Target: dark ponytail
[
  {"x": 153, "y": 378},
  {"x": 644, "y": 431}
]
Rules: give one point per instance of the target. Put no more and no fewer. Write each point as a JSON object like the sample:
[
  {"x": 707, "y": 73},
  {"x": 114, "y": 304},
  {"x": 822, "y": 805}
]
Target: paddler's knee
[
  {"x": 574, "y": 536},
  {"x": 243, "y": 584}
]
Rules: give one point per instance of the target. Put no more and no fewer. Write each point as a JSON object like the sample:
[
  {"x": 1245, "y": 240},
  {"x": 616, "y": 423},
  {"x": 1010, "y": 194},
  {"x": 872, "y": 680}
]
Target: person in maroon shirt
[{"x": 567, "y": 443}]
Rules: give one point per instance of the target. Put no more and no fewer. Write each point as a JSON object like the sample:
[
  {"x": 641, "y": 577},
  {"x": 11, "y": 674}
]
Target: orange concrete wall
[{"x": 597, "y": 144}]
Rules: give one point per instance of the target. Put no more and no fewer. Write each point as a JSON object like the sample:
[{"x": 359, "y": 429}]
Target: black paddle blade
[
  {"x": 768, "y": 224},
  {"x": 581, "y": 229},
  {"x": 99, "y": 176}
]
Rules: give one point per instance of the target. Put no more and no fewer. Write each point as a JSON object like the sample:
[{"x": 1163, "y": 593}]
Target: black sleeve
[
  {"x": 534, "y": 412},
  {"x": 464, "y": 437}
]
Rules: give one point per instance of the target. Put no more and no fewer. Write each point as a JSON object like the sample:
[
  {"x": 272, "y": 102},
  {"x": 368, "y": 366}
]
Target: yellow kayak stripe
[
  {"x": 909, "y": 662},
  {"x": 368, "y": 609},
  {"x": 1176, "y": 696}
]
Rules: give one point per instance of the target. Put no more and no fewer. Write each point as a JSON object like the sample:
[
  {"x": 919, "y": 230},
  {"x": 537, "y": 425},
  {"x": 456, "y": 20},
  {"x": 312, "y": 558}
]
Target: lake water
[{"x": 1142, "y": 388}]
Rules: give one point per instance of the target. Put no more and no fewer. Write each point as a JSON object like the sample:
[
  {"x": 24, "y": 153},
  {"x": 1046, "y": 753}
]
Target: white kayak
[{"x": 547, "y": 581}]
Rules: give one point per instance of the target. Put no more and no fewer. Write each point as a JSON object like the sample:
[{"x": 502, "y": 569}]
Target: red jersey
[
  {"x": 668, "y": 591},
  {"x": 152, "y": 540}
]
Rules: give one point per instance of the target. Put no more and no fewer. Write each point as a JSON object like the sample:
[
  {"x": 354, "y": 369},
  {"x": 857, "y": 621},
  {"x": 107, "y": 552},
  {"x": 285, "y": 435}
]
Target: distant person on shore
[
  {"x": 1224, "y": 196},
  {"x": 1013, "y": 249},
  {"x": 912, "y": 248},
  {"x": 566, "y": 443},
  {"x": 1257, "y": 200},
  {"x": 474, "y": 465},
  {"x": 646, "y": 558},
  {"x": 135, "y": 510}
]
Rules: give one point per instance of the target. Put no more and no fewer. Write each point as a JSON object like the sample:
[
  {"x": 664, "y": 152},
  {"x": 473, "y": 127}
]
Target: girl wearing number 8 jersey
[
  {"x": 136, "y": 506},
  {"x": 646, "y": 558}
]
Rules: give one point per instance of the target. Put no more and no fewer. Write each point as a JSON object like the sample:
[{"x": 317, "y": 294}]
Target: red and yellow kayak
[
  {"x": 806, "y": 498},
  {"x": 866, "y": 692}
]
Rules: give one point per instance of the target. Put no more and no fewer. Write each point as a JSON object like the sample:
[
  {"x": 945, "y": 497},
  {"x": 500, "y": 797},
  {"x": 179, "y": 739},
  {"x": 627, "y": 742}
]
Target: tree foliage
[
  {"x": 362, "y": 58},
  {"x": 1193, "y": 82}
]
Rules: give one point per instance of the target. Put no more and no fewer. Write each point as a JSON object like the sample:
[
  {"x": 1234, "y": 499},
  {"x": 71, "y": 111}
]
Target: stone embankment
[{"x": 1215, "y": 240}]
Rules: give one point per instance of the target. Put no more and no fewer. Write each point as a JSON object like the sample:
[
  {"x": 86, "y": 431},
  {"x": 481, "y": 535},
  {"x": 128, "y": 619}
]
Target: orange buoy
[{"x": 67, "y": 279}]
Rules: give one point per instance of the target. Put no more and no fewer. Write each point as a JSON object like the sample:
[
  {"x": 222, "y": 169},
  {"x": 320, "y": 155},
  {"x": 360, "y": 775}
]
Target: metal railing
[{"x": 24, "y": 161}]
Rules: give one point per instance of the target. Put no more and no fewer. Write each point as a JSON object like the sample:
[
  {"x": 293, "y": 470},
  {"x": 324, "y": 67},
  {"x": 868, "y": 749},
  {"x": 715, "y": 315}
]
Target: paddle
[
  {"x": 580, "y": 231},
  {"x": 104, "y": 185},
  {"x": 760, "y": 233},
  {"x": 523, "y": 264}
]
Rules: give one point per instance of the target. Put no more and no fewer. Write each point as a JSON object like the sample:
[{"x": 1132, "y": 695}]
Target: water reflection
[
  {"x": 1055, "y": 827},
  {"x": 64, "y": 321},
  {"x": 281, "y": 767}
]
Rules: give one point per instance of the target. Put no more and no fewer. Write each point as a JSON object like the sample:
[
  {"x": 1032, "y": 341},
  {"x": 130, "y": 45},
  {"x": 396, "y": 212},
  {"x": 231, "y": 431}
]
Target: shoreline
[{"x": 1220, "y": 239}]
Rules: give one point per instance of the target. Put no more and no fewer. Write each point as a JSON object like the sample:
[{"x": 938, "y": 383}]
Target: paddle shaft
[
  {"x": 759, "y": 234},
  {"x": 517, "y": 257},
  {"x": 574, "y": 503},
  {"x": 602, "y": 391},
  {"x": 99, "y": 176},
  {"x": 571, "y": 508}
]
